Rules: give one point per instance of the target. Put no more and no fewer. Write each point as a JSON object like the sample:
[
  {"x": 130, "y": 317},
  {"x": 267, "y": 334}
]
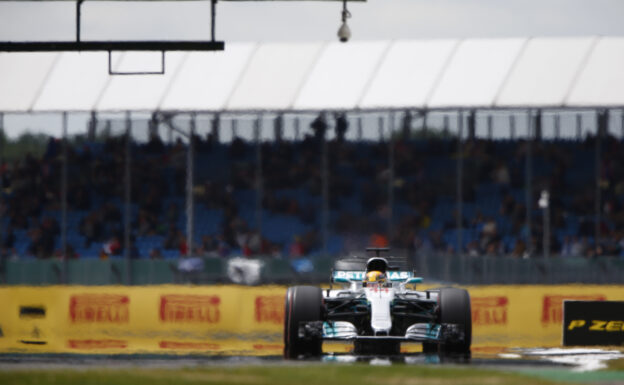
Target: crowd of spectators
[{"x": 424, "y": 219}]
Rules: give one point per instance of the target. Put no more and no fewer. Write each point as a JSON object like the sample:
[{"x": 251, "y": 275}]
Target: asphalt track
[{"x": 573, "y": 360}]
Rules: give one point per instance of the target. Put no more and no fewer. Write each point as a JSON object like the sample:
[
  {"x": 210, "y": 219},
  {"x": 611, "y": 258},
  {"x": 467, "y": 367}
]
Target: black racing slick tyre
[
  {"x": 454, "y": 307},
  {"x": 303, "y": 304}
]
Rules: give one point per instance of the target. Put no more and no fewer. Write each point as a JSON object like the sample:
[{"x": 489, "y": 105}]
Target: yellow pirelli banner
[
  {"x": 525, "y": 315},
  {"x": 238, "y": 319},
  {"x": 118, "y": 319}
]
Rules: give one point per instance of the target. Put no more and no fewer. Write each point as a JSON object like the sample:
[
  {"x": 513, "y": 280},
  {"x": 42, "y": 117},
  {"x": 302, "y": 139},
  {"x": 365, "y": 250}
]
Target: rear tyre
[
  {"x": 455, "y": 309},
  {"x": 303, "y": 304}
]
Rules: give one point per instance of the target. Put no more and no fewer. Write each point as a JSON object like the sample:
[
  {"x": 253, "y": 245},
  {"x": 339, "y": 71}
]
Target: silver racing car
[{"x": 376, "y": 311}]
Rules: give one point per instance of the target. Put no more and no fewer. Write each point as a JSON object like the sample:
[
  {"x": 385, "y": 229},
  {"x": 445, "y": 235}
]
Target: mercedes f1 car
[{"x": 376, "y": 311}]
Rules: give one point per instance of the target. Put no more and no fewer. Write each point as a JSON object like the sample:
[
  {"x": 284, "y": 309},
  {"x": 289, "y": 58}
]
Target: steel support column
[
  {"x": 190, "y": 175},
  {"x": 460, "y": 175},
  {"x": 325, "y": 191},
  {"x": 213, "y": 19},
  {"x": 78, "y": 15},
  {"x": 528, "y": 179},
  {"x": 546, "y": 241},
  {"x": 127, "y": 198},
  {"x": 2, "y": 136},
  {"x": 544, "y": 204},
  {"x": 602, "y": 122},
  {"x": 259, "y": 177},
  {"x": 64, "y": 277},
  {"x": 391, "y": 140}
]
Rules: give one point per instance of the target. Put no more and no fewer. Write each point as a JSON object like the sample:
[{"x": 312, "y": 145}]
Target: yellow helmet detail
[{"x": 375, "y": 276}]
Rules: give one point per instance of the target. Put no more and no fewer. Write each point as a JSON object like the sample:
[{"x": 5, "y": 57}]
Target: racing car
[{"x": 376, "y": 311}]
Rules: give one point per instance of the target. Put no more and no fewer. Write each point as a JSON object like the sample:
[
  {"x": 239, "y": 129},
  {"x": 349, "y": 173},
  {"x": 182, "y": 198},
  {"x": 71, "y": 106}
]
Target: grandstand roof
[{"x": 428, "y": 74}]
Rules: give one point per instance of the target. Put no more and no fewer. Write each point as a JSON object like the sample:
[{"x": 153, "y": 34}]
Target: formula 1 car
[{"x": 375, "y": 310}]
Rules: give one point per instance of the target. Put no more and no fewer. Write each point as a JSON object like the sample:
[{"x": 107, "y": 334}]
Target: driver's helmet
[{"x": 375, "y": 276}]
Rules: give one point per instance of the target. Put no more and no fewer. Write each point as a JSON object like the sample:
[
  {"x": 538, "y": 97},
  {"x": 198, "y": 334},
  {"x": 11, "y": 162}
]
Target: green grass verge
[
  {"x": 616, "y": 364},
  {"x": 274, "y": 375},
  {"x": 569, "y": 376}
]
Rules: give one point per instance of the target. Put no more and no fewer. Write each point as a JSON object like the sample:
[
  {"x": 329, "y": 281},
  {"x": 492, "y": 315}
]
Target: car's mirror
[
  {"x": 413, "y": 280},
  {"x": 342, "y": 280}
]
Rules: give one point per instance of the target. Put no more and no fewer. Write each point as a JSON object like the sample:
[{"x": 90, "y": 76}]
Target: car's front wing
[{"x": 345, "y": 331}]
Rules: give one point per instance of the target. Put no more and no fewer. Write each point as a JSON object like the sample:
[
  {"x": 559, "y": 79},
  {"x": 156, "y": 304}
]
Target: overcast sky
[{"x": 281, "y": 21}]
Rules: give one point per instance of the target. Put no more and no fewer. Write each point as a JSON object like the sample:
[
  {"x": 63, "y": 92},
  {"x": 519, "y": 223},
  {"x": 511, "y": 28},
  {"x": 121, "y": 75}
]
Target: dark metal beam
[
  {"x": 168, "y": 45},
  {"x": 78, "y": 16},
  {"x": 213, "y": 19}
]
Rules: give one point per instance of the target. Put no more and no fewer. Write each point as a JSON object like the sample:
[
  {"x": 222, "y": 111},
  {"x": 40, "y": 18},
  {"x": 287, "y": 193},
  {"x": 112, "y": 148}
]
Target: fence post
[
  {"x": 512, "y": 126},
  {"x": 215, "y": 126},
  {"x": 278, "y": 128},
  {"x": 360, "y": 129},
  {"x": 297, "y": 128},
  {"x": 579, "y": 126}
]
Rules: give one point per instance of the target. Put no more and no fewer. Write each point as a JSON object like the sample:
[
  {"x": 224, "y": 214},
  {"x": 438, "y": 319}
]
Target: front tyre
[
  {"x": 454, "y": 305},
  {"x": 302, "y": 304}
]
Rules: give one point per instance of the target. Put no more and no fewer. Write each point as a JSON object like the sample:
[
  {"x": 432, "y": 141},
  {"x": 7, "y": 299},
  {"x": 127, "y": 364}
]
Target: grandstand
[
  {"x": 309, "y": 151},
  {"x": 423, "y": 204}
]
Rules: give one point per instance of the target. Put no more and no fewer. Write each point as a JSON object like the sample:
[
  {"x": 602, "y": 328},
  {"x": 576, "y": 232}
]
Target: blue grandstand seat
[
  {"x": 282, "y": 228},
  {"x": 170, "y": 254}
]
